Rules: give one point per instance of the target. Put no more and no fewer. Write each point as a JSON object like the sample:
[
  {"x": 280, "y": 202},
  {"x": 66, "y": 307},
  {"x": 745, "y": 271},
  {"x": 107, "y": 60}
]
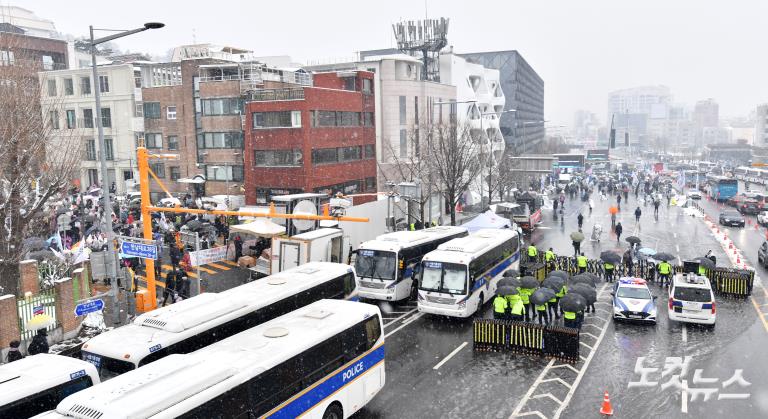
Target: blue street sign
[
  {"x": 89, "y": 307},
  {"x": 140, "y": 250}
]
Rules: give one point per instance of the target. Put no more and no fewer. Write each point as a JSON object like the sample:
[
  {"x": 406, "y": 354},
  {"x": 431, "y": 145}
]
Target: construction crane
[{"x": 145, "y": 172}]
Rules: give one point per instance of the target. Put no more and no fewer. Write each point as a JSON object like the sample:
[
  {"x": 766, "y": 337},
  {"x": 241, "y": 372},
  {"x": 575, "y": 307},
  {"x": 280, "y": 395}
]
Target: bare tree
[
  {"x": 35, "y": 165},
  {"x": 454, "y": 159}
]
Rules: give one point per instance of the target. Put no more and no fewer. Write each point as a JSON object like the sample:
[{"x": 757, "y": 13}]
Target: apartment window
[
  {"x": 104, "y": 84},
  {"x": 6, "y": 57},
  {"x": 350, "y": 119},
  {"x": 232, "y": 139},
  {"x": 349, "y": 153},
  {"x": 47, "y": 62},
  {"x": 106, "y": 118},
  {"x": 153, "y": 140},
  {"x": 88, "y": 118},
  {"x": 54, "y": 115},
  {"x": 108, "y": 147},
  {"x": 370, "y": 184},
  {"x": 267, "y": 158},
  {"x": 403, "y": 143},
  {"x": 369, "y": 151},
  {"x": 175, "y": 172},
  {"x": 51, "y": 87},
  {"x": 367, "y": 86},
  {"x": 93, "y": 177},
  {"x": 325, "y": 155},
  {"x": 85, "y": 85},
  {"x": 173, "y": 143},
  {"x": 416, "y": 110},
  {"x": 170, "y": 112},
  {"x": 159, "y": 169},
  {"x": 71, "y": 119},
  {"x": 69, "y": 87},
  {"x": 349, "y": 83},
  {"x": 152, "y": 110},
  {"x": 224, "y": 172},
  {"x": 281, "y": 119},
  {"x": 221, "y": 106},
  {"x": 139, "y": 110},
  {"x": 402, "y": 110},
  {"x": 335, "y": 119},
  {"x": 90, "y": 150},
  {"x": 368, "y": 119}
]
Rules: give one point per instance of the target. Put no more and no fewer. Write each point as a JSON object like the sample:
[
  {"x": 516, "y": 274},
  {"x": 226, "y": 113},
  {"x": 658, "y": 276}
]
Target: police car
[
  {"x": 632, "y": 300},
  {"x": 691, "y": 299}
]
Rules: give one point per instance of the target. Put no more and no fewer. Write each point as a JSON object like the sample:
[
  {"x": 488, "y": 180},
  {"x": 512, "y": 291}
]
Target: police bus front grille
[
  {"x": 439, "y": 300},
  {"x": 374, "y": 285}
]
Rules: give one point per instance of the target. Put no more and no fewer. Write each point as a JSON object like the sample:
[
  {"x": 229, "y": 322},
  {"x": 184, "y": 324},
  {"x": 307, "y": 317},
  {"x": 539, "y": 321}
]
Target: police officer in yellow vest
[
  {"x": 532, "y": 253},
  {"x": 664, "y": 270},
  {"x": 702, "y": 270},
  {"x": 608, "y": 267},
  {"x": 517, "y": 309},
  {"x": 549, "y": 259},
  {"x": 581, "y": 262},
  {"x": 500, "y": 306},
  {"x": 560, "y": 294},
  {"x": 542, "y": 313},
  {"x": 569, "y": 319},
  {"x": 525, "y": 295}
]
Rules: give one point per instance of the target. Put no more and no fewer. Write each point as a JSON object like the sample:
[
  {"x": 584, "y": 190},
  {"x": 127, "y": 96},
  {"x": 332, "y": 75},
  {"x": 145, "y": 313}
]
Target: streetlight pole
[{"x": 107, "y": 207}]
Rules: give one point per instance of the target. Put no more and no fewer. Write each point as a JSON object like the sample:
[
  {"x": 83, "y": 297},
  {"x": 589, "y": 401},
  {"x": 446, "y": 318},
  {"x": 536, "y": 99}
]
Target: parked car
[
  {"x": 749, "y": 206},
  {"x": 762, "y": 218},
  {"x": 694, "y": 194},
  {"x": 731, "y": 218},
  {"x": 762, "y": 255}
]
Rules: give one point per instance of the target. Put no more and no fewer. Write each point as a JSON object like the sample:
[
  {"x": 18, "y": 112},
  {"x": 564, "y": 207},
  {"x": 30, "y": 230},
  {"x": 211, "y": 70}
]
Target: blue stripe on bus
[
  {"x": 496, "y": 270},
  {"x": 329, "y": 385}
]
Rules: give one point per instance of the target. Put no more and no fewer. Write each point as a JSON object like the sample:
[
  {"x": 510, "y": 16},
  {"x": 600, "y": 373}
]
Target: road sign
[
  {"x": 140, "y": 250},
  {"x": 89, "y": 307}
]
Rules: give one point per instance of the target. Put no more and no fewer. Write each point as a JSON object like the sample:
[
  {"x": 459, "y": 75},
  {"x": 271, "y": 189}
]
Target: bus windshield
[
  {"x": 376, "y": 264},
  {"x": 449, "y": 278}
]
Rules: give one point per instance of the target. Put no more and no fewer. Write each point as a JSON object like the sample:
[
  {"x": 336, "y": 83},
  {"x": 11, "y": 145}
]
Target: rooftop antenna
[{"x": 423, "y": 39}]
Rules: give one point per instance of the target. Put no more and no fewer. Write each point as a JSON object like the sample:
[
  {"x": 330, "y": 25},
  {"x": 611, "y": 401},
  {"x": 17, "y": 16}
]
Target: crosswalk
[{"x": 211, "y": 269}]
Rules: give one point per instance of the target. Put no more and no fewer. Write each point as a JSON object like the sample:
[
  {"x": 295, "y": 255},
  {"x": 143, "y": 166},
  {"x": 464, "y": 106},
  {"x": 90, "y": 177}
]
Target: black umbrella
[
  {"x": 594, "y": 277},
  {"x": 589, "y": 293},
  {"x": 542, "y": 295},
  {"x": 529, "y": 282},
  {"x": 506, "y": 290},
  {"x": 583, "y": 279},
  {"x": 561, "y": 274},
  {"x": 610, "y": 257},
  {"x": 663, "y": 256},
  {"x": 633, "y": 239},
  {"x": 554, "y": 283},
  {"x": 510, "y": 282},
  {"x": 511, "y": 273},
  {"x": 705, "y": 262},
  {"x": 573, "y": 302}
]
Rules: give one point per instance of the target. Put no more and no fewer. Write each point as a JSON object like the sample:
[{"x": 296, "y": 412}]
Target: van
[{"x": 691, "y": 299}]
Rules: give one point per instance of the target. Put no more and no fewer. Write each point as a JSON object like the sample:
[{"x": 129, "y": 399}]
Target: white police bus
[
  {"x": 38, "y": 383},
  {"x": 325, "y": 360},
  {"x": 462, "y": 274},
  {"x": 386, "y": 266},
  {"x": 210, "y": 317}
]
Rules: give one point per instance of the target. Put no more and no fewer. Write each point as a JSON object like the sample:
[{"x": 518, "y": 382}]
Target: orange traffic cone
[
  {"x": 607, "y": 409},
  {"x": 738, "y": 260}
]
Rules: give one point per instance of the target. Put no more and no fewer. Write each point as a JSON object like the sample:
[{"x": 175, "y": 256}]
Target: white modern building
[
  {"x": 122, "y": 117},
  {"x": 761, "y": 126}
]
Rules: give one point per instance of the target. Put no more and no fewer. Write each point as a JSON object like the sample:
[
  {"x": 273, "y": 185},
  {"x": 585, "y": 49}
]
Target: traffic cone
[
  {"x": 738, "y": 260},
  {"x": 606, "y": 409}
]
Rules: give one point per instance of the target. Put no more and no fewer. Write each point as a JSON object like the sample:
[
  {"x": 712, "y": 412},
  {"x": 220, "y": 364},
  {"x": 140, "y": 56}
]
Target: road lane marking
[
  {"x": 217, "y": 266},
  {"x": 532, "y": 388},
  {"x": 684, "y": 399},
  {"x": 677, "y": 247},
  {"x": 385, "y": 326},
  {"x": 760, "y": 314},
  {"x": 450, "y": 355},
  {"x": 685, "y": 334},
  {"x": 230, "y": 263},
  {"x": 404, "y": 323}
]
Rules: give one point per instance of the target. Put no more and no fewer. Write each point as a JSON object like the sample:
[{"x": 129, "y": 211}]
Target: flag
[{"x": 37, "y": 310}]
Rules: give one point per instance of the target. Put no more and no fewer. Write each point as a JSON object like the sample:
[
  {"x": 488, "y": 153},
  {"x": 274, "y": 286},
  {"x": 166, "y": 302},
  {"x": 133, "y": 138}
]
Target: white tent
[
  {"x": 487, "y": 220},
  {"x": 262, "y": 226}
]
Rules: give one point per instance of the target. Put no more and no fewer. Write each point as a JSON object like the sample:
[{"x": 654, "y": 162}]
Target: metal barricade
[
  {"x": 491, "y": 335},
  {"x": 732, "y": 282}
]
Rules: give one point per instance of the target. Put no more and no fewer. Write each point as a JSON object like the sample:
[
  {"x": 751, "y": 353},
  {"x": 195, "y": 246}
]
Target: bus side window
[{"x": 74, "y": 386}]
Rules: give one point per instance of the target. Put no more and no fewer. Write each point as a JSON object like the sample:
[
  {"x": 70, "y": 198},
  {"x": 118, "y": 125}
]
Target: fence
[
  {"x": 526, "y": 338},
  {"x": 42, "y": 303},
  {"x": 725, "y": 281}
]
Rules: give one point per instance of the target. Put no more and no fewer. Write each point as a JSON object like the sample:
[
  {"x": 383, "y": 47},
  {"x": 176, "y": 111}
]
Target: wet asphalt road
[{"x": 422, "y": 384}]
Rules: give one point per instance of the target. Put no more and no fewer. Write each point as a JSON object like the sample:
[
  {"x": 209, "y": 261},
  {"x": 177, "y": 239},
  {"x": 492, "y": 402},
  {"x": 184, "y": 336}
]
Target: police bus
[
  {"x": 385, "y": 266},
  {"x": 462, "y": 274},
  {"x": 38, "y": 383},
  {"x": 209, "y": 317},
  {"x": 325, "y": 360}
]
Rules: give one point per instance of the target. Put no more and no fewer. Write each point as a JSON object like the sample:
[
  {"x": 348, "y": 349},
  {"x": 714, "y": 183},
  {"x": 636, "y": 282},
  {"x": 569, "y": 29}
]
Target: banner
[{"x": 202, "y": 257}]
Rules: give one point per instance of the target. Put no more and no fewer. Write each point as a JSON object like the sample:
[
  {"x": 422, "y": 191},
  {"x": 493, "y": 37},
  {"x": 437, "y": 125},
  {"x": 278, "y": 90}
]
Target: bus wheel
[{"x": 333, "y": 412}]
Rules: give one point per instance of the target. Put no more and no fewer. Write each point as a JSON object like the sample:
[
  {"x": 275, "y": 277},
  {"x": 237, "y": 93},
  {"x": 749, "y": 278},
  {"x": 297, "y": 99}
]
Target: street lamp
[{"x": 103, "y": 152}]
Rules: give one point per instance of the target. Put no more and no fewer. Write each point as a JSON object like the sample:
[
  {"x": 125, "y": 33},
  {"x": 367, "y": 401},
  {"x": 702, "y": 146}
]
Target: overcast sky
[{"x": 581, "y": 48}]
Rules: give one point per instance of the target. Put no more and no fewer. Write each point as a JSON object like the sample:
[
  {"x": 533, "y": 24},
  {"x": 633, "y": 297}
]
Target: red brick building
[{"x": 311, "y": 139}]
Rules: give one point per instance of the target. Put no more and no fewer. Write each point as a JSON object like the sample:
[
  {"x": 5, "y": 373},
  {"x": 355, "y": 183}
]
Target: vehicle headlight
[
  {"x": 616, "y": 310},
  {"x": 462, "y": 304}
]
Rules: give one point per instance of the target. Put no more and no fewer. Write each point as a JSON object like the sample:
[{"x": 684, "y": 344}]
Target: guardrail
[{"x": 492, "y": 335}]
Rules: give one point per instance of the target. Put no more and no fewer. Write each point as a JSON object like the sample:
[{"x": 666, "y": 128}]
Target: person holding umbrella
[
  {"x": 540, "y": 299},
  {"x": 609, "y": 259},
  {"x": 577, "y": 237}
]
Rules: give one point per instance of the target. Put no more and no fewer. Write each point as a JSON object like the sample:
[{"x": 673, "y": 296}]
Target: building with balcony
[
  {"x": 71, "y": 91},
  {"x": 318, "y": 138}
]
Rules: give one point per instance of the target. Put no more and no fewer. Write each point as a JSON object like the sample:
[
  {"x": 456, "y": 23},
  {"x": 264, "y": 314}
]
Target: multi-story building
[
  {"x": 18, "y": 48},
  {"x": 761, "y": 126},
  {"x": 523, "y": 130},
  {"x": 312, "y": 139},
  {"x": 74, "y": 116},
  {"x": 706, "y": 119},
  {"x": 640, "y": 112},
  {"x": 194, "y": 108}
]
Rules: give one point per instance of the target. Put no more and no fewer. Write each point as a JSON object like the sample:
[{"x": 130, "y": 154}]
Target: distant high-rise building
[
  {"x": 761, "y": 126},
  {"x": 705, "y": 117},
  {"x": 639, "y": 111}
]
